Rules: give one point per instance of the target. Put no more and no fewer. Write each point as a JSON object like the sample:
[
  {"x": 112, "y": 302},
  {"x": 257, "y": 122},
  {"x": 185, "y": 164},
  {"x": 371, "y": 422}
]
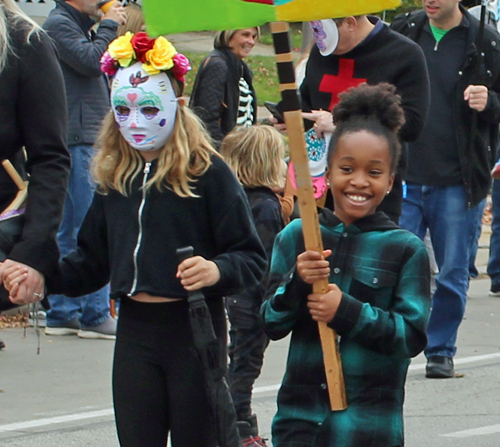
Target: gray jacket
[{"x": 80, "y": 51}]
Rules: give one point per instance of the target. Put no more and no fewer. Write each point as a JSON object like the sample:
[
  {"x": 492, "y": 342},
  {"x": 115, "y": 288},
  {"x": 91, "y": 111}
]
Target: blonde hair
[
  {"x": 255, "y": 154},
  {"x": 185, "y": 156},
  {"x": 135, "y": 20},
  {"x": 222, "y": 38},
  {"x": 10, "y": 11}
]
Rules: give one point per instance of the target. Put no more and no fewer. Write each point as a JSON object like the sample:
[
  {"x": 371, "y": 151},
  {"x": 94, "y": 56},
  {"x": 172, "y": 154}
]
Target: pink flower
[
  {"x": 181, "y": 66},
  {"x": 108, "y": 64}
]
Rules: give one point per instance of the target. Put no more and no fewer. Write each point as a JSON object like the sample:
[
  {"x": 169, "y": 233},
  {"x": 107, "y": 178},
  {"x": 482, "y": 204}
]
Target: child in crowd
[
  {"x": 161, "y": 186},
  {"x": 255, "y": 155},
  {"x": 378, "y": 299}
]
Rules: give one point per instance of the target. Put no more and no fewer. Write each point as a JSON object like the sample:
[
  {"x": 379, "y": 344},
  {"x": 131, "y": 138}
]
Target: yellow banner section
[{"x": 306, "y": 10}]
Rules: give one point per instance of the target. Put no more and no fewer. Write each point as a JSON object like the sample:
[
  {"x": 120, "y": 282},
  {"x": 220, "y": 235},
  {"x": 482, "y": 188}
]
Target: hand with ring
[
  {"x": 24, "y": 284},
  {"x": 323, "y": 121}
]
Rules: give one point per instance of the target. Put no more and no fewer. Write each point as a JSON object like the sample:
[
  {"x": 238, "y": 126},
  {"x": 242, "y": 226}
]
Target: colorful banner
[{"x": 173, "y": 16}]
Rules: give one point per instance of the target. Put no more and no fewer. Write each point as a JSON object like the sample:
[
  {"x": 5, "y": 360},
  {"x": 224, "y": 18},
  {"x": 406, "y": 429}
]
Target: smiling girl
[{"x": 378, "y": 298}]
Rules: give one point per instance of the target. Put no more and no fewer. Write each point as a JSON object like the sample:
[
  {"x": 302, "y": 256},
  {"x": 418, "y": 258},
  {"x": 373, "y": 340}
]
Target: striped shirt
[{"x": 245, "y": 116}]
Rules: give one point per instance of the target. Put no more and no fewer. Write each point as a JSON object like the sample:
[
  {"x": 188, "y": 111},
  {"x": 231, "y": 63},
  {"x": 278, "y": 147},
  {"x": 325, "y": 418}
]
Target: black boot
[
  {"x": 248, "y": 426},
  {"x": 249, "y": 432}
]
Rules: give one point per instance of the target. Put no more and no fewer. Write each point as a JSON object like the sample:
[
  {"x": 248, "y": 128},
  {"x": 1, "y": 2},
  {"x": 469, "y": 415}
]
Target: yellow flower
[
  {"x": 160, "y": 57},
  {"x": 121, "y": 49}
]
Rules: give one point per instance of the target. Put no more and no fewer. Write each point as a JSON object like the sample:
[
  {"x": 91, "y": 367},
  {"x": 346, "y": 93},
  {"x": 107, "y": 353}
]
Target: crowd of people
[{"x": 122, "y": 173}]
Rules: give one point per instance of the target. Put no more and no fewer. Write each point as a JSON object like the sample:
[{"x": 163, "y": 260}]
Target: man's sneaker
[
  {"x": 106, "y": 330},
  {"x": 38, "y": 317},
  {"x": 70, "y": 328},
  {"x": 494, "y": 290},
  {"x": 439, "y": 367},
  {"x": 253, "y": 441}
]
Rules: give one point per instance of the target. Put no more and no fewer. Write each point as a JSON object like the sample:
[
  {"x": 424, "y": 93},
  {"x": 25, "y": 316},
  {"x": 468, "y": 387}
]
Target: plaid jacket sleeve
[{"x": 286, "y": 292}]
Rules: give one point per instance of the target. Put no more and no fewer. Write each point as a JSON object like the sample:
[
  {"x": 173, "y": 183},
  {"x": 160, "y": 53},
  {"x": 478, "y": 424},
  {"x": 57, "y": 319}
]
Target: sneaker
[
  {"x": 70, "y": 328},
  {"x": 39, "y": 317},
  {"x": 2, "y": 344},
  {"x": 494, "y": 291},
  {"x": 253, "y": 441},
  {"x": 105, "y": 331},
  {"x": 439, "y": 367}
]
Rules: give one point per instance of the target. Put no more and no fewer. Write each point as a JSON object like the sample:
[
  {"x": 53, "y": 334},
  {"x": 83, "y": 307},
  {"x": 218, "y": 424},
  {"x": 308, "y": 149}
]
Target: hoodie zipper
[{"x": 147, "y": 168}]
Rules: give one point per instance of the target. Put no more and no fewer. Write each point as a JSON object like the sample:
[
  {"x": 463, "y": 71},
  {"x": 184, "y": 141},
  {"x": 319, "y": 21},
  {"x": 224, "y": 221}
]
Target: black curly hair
[{"x": 372, "y": 108}]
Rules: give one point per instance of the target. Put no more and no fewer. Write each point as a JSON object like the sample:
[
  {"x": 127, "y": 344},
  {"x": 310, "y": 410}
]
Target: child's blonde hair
[
  {"x": 255, "y": 154},
  {"x": 185, "y": 156}
]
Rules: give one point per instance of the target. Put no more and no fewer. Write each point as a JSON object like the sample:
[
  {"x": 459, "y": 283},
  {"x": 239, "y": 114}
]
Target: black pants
[
  {"x": 246, "y": 351},
  {"x": 158, "y": 385}
]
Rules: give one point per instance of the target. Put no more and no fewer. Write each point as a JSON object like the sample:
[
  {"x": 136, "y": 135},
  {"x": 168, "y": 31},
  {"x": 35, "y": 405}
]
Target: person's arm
[
  {"x": 489, "y": 107},
  {"x": 75, "y": 49},
  {"x": 399, "y": 331},
  {"x": 43, "y": 123},
  {"x": 414, "y": 87},
  {"x": 287, "y": 292},
  {"x": 208, "y": 97},
  {"x": 86, "y": 269}
]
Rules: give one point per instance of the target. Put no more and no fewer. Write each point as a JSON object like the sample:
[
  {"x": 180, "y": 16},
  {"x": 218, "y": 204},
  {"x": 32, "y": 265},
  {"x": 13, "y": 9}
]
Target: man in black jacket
[
  {"x": 368, "y": 51},
  {"x": 449, "y": 165},
  {"x": 80, "y": 50}
]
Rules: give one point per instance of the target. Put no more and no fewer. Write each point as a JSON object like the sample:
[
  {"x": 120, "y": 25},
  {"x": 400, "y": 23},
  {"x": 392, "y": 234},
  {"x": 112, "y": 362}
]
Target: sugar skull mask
[
  {"x": 144, "y": 107},
  {"x": 326, "y": 35}
]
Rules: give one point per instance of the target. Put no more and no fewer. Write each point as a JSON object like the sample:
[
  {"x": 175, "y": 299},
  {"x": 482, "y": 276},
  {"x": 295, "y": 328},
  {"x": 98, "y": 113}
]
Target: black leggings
[{"x": 157, "y": 378}]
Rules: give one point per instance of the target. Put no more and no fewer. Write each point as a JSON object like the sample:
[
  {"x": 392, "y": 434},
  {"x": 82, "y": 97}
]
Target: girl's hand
[
  {"x": 312, "y": 266},
  {"x": 13, "y": 275},
  {"x": 30, "y": 282},
  {"x": 323, "y": 307},
  {"x": 197, "y": 272}
]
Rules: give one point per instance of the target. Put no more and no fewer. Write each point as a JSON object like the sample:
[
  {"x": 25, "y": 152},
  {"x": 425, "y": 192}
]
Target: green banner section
[{"x": 173, "y": 16}]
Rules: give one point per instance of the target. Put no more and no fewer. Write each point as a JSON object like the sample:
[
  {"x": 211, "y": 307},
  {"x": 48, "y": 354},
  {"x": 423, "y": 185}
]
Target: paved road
[{"x": 62, "y": 397}]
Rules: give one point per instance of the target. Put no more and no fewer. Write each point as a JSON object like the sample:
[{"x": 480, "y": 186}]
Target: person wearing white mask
[
  {"x": 357, "y": 49},
  {"x": 160, "y": 186}
]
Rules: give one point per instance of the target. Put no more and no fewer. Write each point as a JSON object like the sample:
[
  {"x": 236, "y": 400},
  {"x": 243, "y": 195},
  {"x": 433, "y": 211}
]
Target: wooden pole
[{"x": 307, "y": 204}]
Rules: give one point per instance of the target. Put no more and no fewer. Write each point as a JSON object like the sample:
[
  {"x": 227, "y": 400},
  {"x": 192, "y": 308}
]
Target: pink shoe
[{"x": 253, "y": 441}]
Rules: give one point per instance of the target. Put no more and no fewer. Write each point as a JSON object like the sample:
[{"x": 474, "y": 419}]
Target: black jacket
[
  {"x": 476, "y": 164},
  {"x": 33, "y": 116},
  {"x": 131, "y": 240},
  {"x": 80, "y": 51},
  {"x": 216, "y": 93}
]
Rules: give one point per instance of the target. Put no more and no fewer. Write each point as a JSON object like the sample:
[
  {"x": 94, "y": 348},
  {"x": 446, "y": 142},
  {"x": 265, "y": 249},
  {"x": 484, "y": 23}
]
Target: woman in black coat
[
  {"x": 32, "y": 116},
  {"x": 223, "y": 95}
]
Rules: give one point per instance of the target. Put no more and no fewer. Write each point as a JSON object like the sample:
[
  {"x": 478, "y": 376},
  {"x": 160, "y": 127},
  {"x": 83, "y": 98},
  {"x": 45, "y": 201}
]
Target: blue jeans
[
  {"x": 452, "y": 227},
  {"x": 91, "y": 310},
  {"x": 494, "y": 259}
]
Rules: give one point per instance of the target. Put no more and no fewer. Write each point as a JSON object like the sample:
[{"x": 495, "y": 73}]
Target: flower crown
[{"x": 156, "y": 55}]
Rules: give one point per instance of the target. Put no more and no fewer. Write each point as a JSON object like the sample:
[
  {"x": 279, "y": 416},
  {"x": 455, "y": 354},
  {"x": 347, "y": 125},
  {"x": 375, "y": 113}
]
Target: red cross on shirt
[{"x": 340, "y": 83}]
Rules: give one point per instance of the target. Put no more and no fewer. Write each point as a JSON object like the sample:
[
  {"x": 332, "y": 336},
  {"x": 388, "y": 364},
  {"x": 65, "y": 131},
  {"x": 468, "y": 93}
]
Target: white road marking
[
  {"x": 56, "y": 420},
  {"x": 46, "y": 422},
  {"x": 489, "y": 430}
]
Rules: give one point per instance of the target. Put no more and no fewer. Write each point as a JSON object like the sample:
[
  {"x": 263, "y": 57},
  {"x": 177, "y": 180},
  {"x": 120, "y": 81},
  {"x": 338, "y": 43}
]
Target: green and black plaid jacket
[{"x": 383, "y": 272}]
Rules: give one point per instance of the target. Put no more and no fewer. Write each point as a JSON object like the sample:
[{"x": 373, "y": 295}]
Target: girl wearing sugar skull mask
[{"x": 161, "y": 186}]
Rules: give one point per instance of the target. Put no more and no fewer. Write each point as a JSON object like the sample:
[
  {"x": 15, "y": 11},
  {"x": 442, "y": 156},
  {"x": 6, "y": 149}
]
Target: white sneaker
[
  {"x": 105, "y": 331},
  {"x": 71, "y": 328}
]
